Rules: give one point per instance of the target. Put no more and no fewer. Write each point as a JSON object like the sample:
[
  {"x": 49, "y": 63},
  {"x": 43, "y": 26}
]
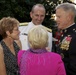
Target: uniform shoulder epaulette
[
  {"x": 26, "y": 23},
  {"x": 23, "y": 24},
  {"x": 48, "y": 29}
]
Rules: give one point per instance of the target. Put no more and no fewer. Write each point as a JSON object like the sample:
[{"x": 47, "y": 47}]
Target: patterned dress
[{"x": 10, "y": 59}]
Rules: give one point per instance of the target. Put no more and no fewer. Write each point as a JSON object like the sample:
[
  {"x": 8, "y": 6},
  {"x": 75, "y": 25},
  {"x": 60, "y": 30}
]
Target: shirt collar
[
  {"x": 34, "y": 24},
  {"x": 70, "y": 25},
  {"x": 38, "y": 51}
]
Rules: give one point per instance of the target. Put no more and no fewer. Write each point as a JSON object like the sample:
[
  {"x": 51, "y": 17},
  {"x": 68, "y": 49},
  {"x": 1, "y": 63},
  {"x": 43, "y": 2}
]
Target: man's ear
[
  {"x": 31, "y": 14},
  {"x": 69, "y": 17}
]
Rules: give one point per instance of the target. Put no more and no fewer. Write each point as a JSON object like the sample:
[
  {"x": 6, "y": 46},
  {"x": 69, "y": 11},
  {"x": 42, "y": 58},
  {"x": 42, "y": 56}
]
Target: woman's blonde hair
[{"x": 38, "y": 37}]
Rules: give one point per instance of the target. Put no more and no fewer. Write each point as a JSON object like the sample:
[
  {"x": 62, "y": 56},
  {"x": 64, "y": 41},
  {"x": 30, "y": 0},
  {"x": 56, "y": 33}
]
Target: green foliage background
[{"x": 20, "y": 9}]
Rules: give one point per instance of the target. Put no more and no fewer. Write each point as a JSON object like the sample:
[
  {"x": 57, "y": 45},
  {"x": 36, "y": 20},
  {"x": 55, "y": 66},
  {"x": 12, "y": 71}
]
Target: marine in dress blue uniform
[{"x": 67, "y": 49}]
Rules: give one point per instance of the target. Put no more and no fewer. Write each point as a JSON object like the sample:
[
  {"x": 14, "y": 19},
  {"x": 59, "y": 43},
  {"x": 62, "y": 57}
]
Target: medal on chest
[{"x": 65, "y": 43}]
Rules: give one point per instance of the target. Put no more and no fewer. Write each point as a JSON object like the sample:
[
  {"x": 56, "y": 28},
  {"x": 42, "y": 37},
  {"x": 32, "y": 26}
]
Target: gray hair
[{"x": 68, "y": 7}]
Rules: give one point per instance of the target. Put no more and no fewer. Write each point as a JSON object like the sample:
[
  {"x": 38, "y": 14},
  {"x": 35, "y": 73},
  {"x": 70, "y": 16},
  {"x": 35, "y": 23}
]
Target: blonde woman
[{"x": 37, "y": 60}]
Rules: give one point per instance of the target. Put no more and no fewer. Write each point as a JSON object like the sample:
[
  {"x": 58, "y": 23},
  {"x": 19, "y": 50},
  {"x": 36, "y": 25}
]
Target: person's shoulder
[
  {"x": 48, "y": 29},
  {"x": 23, "y": 24},
  {"x": 55, "y": 55},
  {"x": 21, "y": 52},
  {"x": 72, "y": 28}
]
